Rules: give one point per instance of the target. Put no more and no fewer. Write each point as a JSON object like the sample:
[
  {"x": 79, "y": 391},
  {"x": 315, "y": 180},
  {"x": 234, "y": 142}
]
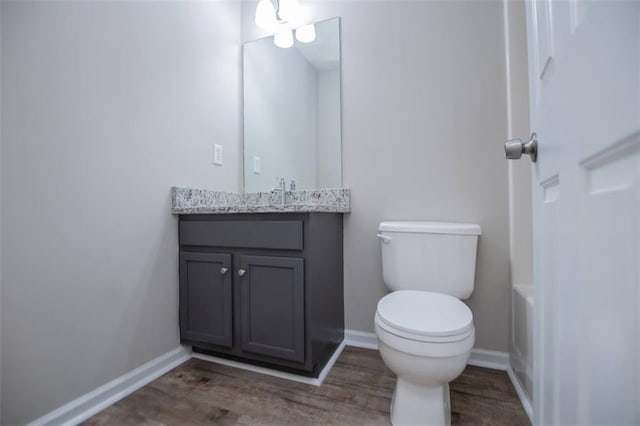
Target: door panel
[
  {"x": 546, "y": 298},
  {"x": 205, "y": 298},
  {"x": 611, "y": 195},
  {"x": 585, "y": 109},
  {"x": 272, "y": 306}
]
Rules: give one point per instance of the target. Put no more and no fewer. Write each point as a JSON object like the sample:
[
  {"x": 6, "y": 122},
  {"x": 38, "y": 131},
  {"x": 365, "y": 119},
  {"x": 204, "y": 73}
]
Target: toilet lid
[{"x": 425, "y": 313}]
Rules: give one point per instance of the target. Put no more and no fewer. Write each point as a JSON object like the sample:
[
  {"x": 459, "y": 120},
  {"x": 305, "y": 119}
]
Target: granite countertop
[{"x": 202, "y": 201}]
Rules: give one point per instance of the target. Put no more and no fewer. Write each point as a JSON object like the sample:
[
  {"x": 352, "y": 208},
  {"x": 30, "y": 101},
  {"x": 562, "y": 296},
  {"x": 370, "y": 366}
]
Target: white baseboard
[
  {"x": 276, "y": 373},
  {"x": 327, "y": 368},
  {"x": 82, "y": 408},
  {"x": 95, "y": 401},
  {"x": 501, "y": 361},
  {"x": 486, "y": 358},
  {"x": 361, "y": 339},
  {"x": 524, "y": 400}
]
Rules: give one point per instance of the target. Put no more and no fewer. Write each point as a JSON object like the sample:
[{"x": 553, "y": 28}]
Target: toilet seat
[
  {"x": 419, "y": 346},
  {"x": 424, "y": 316}
]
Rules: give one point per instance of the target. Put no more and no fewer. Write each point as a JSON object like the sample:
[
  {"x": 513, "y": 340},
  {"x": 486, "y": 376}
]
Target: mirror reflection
[{"x": 292, "y": 112}]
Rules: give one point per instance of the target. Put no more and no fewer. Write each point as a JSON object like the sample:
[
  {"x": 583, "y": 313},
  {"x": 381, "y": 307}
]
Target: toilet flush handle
[{"x": 384, "y": 238}]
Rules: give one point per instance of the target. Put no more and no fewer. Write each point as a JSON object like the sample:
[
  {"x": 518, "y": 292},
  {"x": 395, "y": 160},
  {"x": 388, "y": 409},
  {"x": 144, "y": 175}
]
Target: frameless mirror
[{"x": 292, "y": 112}]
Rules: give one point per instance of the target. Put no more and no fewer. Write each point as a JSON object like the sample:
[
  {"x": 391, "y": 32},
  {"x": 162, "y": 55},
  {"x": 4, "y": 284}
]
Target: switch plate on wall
[
  {"x": 217, "y": 155},
  {"x": 256, "y": 165}
]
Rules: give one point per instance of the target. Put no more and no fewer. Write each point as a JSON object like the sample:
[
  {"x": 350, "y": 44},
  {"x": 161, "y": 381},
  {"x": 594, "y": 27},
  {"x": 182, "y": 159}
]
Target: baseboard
[
  {"x": 361, "y": 339},
  {"x": 486, "y": 358},
  {"x": 329, "y": 365},
  {"x": 524, "y": 400},
  {"x": 95, "y": 401},
  {"x": 276, "y": 373},
  {"x": 82, "y": 408}
]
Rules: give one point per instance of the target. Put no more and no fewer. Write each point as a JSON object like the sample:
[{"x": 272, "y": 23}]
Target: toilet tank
[{"x": 429, "y": 256}]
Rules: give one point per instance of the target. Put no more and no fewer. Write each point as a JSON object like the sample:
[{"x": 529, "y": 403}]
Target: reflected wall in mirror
[{"x": 292, "y": 112}]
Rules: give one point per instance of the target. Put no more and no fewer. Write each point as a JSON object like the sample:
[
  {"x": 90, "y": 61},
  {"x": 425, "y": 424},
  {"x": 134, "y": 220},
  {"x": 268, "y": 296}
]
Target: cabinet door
[
  {"x": 272, "y": 306},
  {"x": 205, "y": 298}
]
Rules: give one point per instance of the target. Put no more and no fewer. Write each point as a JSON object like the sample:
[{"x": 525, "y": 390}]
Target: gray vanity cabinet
[
  {"x": 263, "y": 288},
  {"x": 272, "y": 306},
  {"x": 205, "y": 294}
]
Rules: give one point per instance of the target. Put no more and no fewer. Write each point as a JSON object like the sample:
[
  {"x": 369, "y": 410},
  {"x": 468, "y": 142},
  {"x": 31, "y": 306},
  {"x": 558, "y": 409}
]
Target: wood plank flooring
[{"x": 357, "y": 392}]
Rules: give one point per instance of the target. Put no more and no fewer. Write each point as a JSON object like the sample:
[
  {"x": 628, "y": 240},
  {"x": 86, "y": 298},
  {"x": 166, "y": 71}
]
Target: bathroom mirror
[{"x": 292, "y": 127}]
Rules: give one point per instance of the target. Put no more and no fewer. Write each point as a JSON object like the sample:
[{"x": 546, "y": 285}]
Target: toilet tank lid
[{"x": 432, "y": 227}]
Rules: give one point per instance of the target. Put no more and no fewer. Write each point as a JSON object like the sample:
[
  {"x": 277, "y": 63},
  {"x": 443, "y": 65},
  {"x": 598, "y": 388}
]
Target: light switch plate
[
  {"x": 256, "y": 165},
  {"x": 217, "y": 155}
]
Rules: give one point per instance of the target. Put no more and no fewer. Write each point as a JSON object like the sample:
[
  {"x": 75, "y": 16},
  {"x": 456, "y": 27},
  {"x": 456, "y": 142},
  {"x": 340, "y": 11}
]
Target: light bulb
[
  {"x": 306, "y": 33},
  {"x": 283, "y": 39},
  {"x": 288, "y": 9},
  {"x": 266, "y": 15}
]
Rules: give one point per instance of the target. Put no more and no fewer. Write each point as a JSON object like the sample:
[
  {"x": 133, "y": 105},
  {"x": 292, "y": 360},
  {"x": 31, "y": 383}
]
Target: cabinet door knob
[
  {"x": 241, "y": 272},
  {"x": 223, "y": 270}
]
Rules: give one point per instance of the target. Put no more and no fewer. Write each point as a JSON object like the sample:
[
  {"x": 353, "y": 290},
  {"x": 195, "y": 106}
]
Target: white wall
[
  {"x": 329, "y": 129},
  {"x": 105, "y": 106},
  {"x": 281, "y": 115},
  {"x": 423, "y": 126}
]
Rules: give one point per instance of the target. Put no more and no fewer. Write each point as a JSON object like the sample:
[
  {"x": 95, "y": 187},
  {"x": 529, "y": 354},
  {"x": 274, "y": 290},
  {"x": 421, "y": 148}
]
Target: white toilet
[{"x": 425, "y": 332}]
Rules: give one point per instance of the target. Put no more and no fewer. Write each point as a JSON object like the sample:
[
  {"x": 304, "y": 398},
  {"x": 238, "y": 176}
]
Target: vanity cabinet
[
  {"x": 272, "y": 306},
  {"x": 263, "y": 288},
  {"x": 205, "y": 297}
]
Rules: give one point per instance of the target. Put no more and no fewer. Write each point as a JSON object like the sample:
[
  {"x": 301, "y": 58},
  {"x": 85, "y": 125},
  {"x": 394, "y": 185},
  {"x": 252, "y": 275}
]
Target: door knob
[
  {"x": 514, "y": 148},
  {"x": 223, "y": 270},
  {"x": 241, "y": 272}
]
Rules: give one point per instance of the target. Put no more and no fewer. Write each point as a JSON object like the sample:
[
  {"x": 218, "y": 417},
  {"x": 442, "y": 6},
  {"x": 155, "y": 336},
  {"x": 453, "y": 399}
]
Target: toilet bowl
[{"x": 425, "y": 338}]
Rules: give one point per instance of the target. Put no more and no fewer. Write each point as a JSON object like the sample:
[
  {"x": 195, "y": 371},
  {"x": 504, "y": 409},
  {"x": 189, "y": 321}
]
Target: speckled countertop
[{"x": 202, "y": 201}]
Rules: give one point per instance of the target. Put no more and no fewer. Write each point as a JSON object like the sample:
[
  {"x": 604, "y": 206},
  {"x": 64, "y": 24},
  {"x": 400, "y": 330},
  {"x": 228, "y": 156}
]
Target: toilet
[{"x": 425, "y": 332}]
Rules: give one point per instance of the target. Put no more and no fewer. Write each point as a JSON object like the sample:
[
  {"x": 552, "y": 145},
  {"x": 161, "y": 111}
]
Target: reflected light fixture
[
  {"x": 288, "y": 10},
  {"x": 306, "y": 33},
  {"x": 283, "y": 39},
  {"x": 266, "y": 17}
]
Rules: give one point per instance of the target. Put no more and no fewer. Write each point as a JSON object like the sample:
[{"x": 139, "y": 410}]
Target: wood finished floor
[{"x": 357, "y": 392}]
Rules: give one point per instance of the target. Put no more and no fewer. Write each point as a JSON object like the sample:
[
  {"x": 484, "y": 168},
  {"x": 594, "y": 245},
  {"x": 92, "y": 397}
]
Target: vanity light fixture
[
  {"x": 288, "y": 10},
  {"x": 278, "y": 17},
  {"x": 306, "y": 33},
  {"x": 283, "y": 39},
  {"x": 270, "y": 14},
  {"x": 266, "y": 16}
]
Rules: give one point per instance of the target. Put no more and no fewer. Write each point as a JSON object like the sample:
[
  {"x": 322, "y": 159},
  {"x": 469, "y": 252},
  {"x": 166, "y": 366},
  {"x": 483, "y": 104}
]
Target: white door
[{"x": 584, "y": 73}]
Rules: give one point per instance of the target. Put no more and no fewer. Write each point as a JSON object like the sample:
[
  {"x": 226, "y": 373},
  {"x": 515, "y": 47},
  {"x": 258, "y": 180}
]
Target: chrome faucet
[{"x": 281, "y": 188}]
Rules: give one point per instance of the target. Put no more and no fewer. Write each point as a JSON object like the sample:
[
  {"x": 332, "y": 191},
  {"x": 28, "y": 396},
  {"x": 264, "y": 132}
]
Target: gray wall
[
  {"x": 105, "y": 106},
  {"x": 424, "y": 120},
  {"x": 519, "y": 171}
]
